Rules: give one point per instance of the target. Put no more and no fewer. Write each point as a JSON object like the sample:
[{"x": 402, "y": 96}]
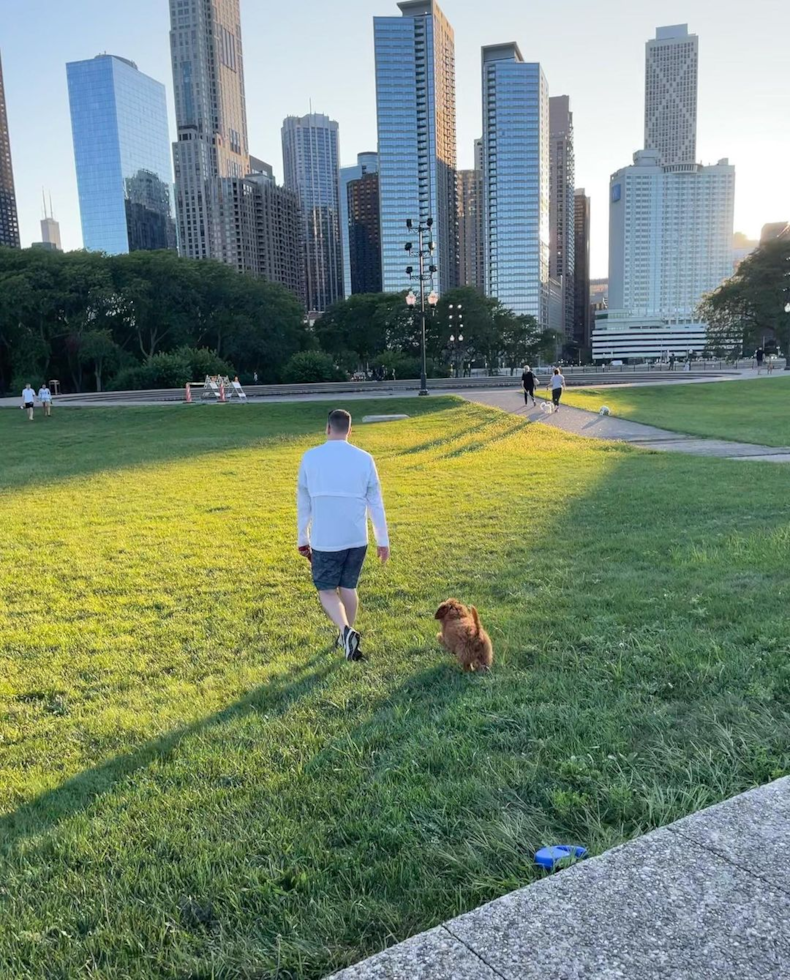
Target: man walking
[
  {"x": 45, "y": 397},
  {"x": 28, "y": 401},
  {"x": 338, "y": 487}
]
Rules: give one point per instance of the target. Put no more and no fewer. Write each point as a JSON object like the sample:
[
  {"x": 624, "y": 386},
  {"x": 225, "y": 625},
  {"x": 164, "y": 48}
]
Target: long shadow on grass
[
  {"x": 608, "y": 712},
  {"x": 76, "y": 794},
  {"x": 80, "y": 442}
]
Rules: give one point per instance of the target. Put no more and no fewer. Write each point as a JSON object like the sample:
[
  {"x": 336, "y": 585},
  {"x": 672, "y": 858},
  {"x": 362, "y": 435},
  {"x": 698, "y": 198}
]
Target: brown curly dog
[{"x": 463, "y": 635}]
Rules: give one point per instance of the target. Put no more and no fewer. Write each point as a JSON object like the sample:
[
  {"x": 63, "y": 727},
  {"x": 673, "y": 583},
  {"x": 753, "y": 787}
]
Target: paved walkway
[
  {"x": 583, "y": 423},
  {"x": 707, "y": 898}
]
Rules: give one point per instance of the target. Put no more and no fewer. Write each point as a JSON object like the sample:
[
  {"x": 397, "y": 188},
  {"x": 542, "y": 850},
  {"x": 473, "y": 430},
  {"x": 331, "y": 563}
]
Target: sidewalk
[
  {"x": 582, "y": 423},
  {"x": 707, "y": 898}
]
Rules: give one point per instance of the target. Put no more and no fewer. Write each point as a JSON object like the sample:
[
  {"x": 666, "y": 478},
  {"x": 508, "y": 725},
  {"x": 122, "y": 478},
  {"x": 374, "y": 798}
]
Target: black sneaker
[{"x": 351, "y": 641}]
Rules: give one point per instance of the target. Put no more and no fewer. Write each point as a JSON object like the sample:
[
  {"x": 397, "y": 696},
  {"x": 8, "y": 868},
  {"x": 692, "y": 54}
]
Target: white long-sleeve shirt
[{"x": 338, "y": 487}]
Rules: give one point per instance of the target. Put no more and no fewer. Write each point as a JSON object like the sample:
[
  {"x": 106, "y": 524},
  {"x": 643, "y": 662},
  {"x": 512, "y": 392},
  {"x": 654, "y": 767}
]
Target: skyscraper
[
  {"x": 50, "y": 229},
  {"x": 470, "y": 229},
  {"x": 121, "y": 152},
  {"x": 366, "y": 163},
  {"x": 582, "y": 314},
  {"x": 364, "y": 233},
  {"x": 415, "y": 107},
  {"x": 9, "y": 221},
  {"x": 312, "y": 170},
  {"x": 211, "y": 118},
  {"x": 516, "y": 181},
  {"x": 562, "y": 207},
  {"x": 671, "y": 65},
  {"x": 278, "y": 231}
]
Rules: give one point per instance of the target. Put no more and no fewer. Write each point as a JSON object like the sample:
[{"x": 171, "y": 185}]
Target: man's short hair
[{"x": 339, "y": 421}]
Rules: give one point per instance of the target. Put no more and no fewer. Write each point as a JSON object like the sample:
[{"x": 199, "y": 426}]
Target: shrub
[{"x": 311, "y": 366}]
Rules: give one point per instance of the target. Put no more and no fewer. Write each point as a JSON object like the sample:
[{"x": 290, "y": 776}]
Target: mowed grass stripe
[{"x": 194, "y": 784}]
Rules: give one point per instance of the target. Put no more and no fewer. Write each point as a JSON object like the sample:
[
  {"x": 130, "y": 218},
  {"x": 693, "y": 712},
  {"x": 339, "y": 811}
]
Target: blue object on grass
[{"x": 550, "y": 857}]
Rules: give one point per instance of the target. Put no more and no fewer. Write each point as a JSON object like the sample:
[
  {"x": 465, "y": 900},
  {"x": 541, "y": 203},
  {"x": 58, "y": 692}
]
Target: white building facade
[{"x": 670, "y": 243}]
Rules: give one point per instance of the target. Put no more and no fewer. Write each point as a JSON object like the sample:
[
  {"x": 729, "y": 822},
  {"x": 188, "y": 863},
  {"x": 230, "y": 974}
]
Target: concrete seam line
[
  {"x": 733, "y": 864},
  {"x": 473, "y": 951}
]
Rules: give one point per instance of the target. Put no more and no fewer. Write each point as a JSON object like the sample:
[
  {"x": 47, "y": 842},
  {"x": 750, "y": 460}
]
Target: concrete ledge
[
  {"x": 707, "y": 898},
  {"x": 384, "y": 418}
]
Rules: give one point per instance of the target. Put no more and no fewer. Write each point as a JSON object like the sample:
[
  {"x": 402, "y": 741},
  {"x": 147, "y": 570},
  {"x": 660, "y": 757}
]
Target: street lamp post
[
  {"x": 787, "y": 310},
  {"x": 456, "y": 318},
  {"x": 425, "y": 273}
]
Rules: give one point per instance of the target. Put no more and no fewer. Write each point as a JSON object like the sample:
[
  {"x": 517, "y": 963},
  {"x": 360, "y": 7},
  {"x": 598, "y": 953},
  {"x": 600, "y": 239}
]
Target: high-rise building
[
  {"x": 774, "y": 230},
  {"x": 364, "y": 233},
  {"x": 9, "y": 220},
  {"x": 366, "y": 163},
  {"x": 278, "y": 230},
  {"x": 50, "y": 229},
  {"x": 671, "y": 67},
  {"x": 670, "y": 243},
  {"x": 582, "y": 316},
  {"x": 562, "y": 167},
  {"x": 516, "y": 181},
  {"x": 311, "y": 165},
  {"x": 211, "y": 119},
  {"x": 121, "y": 151},
  {"x": 470, "y": 229},
  {"x": 415, "y": 107}
]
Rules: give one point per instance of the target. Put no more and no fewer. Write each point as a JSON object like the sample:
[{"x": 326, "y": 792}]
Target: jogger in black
[{"x": 528, "y": 382}]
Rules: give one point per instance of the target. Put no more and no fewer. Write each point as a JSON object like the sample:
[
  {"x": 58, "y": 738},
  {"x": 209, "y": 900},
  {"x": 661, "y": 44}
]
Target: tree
[
  {"x": 747, "y": 311},
  {"x": 99, "y": 351},
  {"x": 311, "y": 366}
]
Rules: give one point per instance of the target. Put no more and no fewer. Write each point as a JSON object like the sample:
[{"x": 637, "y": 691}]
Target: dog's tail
[{"x": 476, "y": 618}]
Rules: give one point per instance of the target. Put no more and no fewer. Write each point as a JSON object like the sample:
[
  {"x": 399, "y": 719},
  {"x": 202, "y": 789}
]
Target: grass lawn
[
  {"x": 194, "y": 785},
  {"x": 755, "y": 411}
]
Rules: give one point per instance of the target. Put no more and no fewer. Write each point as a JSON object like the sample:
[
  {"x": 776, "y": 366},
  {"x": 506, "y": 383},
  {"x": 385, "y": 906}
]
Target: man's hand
[
  {"x": 384, "y": 555},
  {"x": 306, "y": 552}
]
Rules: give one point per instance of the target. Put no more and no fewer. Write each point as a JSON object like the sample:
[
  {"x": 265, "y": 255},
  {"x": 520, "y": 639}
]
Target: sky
[{"x": 322, "y": 51}]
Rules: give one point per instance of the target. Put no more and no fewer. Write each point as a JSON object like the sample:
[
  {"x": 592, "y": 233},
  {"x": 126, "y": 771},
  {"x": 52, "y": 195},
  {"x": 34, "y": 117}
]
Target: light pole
[
  {"x": 425, "y": 248},
  {"x": 787, "y": 310},
  {"x": 456, "y": 318}
]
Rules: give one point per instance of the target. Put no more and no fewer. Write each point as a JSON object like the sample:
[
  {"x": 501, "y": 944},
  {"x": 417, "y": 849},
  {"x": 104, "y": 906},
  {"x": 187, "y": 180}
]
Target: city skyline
[{"x": 741, "y": 101}]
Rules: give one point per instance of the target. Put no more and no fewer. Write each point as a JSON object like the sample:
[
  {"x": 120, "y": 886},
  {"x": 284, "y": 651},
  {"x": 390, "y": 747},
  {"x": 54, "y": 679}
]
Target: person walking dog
[{"x": 338, "y": 487}]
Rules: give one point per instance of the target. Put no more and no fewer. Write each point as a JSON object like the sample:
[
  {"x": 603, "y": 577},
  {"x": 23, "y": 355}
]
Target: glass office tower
[
  {"x": 367, "y": 163},
  {"x": 415, "y": 107},
  {"x": 516, "y": 181},
  {"x": 122, "y": 155},
  {"x": 312, "y": 169}
]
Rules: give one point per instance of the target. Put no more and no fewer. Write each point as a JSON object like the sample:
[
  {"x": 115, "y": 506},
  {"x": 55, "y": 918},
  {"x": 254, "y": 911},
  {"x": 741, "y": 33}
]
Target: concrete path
[
  {"x": 707, "y": 898},
  {"x": 582, "y": 423}
]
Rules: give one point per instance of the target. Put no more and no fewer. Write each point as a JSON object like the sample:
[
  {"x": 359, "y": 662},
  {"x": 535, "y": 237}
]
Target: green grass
[
  {"x": 754, "y": 411},
  {"x": 194, "y": 785}
]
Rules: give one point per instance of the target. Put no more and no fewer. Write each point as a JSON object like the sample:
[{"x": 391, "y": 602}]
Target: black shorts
[
  {"x": 338, "y": 569},
  {"x": 556, "y": 394},
  {"x": 30, "y": 404}
]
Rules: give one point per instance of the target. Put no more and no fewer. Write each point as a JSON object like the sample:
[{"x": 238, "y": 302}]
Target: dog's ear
[{"x": 442, "y": 611}]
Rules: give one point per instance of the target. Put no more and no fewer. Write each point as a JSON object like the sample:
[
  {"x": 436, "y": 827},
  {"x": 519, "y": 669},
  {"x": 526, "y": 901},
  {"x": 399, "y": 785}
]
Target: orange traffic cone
[
  {"x": 189, "y": 393},
  {"x": 222, "y": 392}
]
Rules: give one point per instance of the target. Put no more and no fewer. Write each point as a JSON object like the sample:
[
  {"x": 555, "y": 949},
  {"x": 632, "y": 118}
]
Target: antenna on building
[
  {"x": 51, "y": 209},
  {"x": 44, "y": 201}
]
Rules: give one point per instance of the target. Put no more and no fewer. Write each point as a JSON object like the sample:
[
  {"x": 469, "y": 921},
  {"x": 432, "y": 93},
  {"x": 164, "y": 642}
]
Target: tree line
[
  {"x": 154, "y": 319},
  {"x": 748, "y": 310}
]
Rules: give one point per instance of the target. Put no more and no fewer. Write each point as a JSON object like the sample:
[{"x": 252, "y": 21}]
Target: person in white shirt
[
  {"x": 557, "y": 384},
  {"x": 28, "y": 400},
  {"x": 45, "y": 397},
  {"x": 338, "y": 488}
]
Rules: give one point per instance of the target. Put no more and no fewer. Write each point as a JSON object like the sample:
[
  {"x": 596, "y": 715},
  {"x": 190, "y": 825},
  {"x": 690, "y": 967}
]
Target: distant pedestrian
[
  {"x": 557, "y": 385},
  {"x": 45, "y": 397},
  {"x": 254, "y": 377},
  {"x": 771, "y": 363},
  {"x": 759, "y": 356},
  {"x": 528, "y": 381},
  {"x": 671, "y": 360},
  {"x": 28, "y": 401}
]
